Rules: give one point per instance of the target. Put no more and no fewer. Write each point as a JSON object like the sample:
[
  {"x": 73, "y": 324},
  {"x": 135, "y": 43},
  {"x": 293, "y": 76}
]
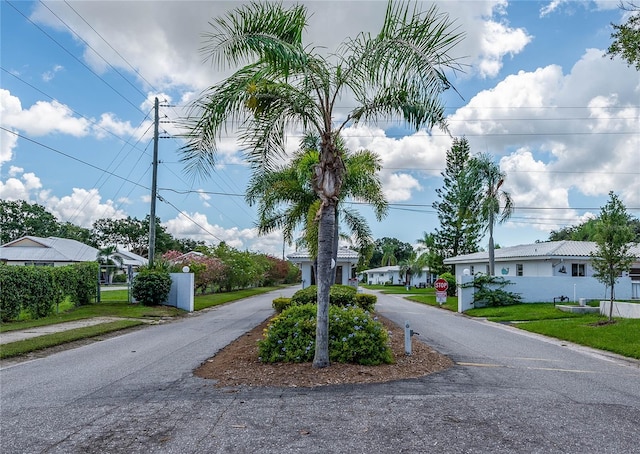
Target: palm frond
[{"x": 263, "y": 31}]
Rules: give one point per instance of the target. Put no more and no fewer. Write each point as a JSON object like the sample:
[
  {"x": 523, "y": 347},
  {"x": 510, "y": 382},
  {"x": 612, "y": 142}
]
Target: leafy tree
[
  {"x": 286, "y": 84},
  {"x": 19, "y": 218},
  {"x": 74, "y": 232},
  {"x": 613, "y": 241},
  {"x": 587, "y": 231},
  {"x": 626, "y": 37},
  {"x": 460, "y": 228},
  {"x": 394, "y": 250},
  {"x": 495, "y": 204}
]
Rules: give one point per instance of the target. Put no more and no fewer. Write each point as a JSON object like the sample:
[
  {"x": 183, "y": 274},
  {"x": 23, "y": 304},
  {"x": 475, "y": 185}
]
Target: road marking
[
  {"x": 552, "y": 369},
  {"x": 480, "y": 365}
]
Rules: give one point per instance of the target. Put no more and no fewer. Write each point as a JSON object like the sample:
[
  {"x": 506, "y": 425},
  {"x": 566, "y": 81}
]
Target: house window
[
  {"x": 519, "y": 269},
  {"x": 577, "y": 269}
]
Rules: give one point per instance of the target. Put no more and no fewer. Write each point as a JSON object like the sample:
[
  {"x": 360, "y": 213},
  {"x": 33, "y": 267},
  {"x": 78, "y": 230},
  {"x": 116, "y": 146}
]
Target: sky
[{"x": 78, "y": 82}]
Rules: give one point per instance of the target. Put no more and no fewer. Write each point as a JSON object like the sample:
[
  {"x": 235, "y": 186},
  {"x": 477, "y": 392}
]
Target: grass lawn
[
  {"x": 51, "y": 340},
  {"x": 215, "y": 299},
  {"x": 622, "y": 337},
  {"x": 521, "y": 312},
  {"x": 451, "y": 304},
  {"x": 113, "y": 303}
]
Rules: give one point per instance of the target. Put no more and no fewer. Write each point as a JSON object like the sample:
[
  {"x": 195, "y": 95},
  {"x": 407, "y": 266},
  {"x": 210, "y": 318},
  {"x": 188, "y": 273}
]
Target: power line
[
  {"x": 70, "y": 157},
  {"x": 75, "y": 58},
  {"x": 144, "y": 95}
]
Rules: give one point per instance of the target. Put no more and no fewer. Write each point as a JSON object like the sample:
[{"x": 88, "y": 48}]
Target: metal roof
[
  {"x": 549, "y": 249},
  {"x": 52, "y": 249},
  {"x": 344, "y": 254}
]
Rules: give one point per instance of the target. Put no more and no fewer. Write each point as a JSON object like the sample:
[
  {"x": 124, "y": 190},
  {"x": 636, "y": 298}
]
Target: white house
[
  {"x": 52, "y": 251},
  {"x": 391, "y": 275},
  {"x": 552, "y": 258},
  {"x": 545, "y": 272},
  {"x": 345, "y": 266}
]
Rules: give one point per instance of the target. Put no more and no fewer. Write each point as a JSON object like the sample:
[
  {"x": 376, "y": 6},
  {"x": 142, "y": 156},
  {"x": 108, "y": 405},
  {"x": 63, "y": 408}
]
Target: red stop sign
[{"x": 441, "y": 285}]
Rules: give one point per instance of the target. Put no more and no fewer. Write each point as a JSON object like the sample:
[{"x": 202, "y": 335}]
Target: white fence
[{"x": 545, "y": 289}]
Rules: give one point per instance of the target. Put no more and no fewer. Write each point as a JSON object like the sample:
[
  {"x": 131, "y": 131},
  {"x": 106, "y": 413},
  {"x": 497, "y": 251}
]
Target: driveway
[{"x": 509, "y": 392}]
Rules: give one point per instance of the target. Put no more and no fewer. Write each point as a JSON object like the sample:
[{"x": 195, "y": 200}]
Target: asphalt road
[{"x": 509, "y": 392}]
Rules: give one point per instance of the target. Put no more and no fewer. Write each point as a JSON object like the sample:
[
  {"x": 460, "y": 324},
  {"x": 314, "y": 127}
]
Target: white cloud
[
  {"x": 19, "y": 187},
  {"x": 82, "y": 207},
  {"x": 498, "y": 40},
  {"x": 48, "y": 76},
  {"x": 41, "y": 118}
]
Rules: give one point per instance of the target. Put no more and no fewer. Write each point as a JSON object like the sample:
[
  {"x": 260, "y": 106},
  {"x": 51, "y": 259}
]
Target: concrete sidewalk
[{"x": 18, "y": 335}]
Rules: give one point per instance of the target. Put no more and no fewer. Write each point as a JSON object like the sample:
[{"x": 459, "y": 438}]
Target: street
[{"x": 509, "y": 391}]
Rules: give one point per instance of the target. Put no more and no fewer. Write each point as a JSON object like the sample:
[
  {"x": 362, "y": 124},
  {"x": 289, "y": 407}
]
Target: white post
[{"x": 407, "y": 339}]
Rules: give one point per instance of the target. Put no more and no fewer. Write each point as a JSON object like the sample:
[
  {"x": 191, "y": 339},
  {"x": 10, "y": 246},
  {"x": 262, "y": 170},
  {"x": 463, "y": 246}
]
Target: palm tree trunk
[
  {"x": 334, "y": 252},
  {"x": 326, "y": 230},
  {"x": 492, "y": 257}
]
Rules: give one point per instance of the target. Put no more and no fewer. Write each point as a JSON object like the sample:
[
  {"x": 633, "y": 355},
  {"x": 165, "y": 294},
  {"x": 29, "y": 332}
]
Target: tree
[
  {"x": 430, "y": 254},
  {"x": 395, "y": 250},
  {"x": 413, "y": 266},
  {"x": 287, "y": 200},
  {"x": 460, "y": 228},
  {"x": 613, "y": 241},
  {"x": 106, "y": 256},
  {"x": 587, "y": 231},
  {"x": 286, "y": 84},
  {"x": 74, "y": 232},
  {"x": 20, "y": 218},
  {"x": 495, "y": 204},
  {"x": 626, "y": 37}
]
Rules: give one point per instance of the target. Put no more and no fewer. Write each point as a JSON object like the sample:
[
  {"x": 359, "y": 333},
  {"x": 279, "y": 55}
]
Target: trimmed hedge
[
  {"x": 280, "y": 304},
  {"x": 37, "y": 289},
  {"x": 354, "y": 337},
  {"x": 339, "y": 295}
]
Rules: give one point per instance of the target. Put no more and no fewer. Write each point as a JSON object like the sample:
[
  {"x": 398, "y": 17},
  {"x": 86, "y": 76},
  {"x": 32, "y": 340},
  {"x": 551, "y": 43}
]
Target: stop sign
[{"x": 441, "y": 285}]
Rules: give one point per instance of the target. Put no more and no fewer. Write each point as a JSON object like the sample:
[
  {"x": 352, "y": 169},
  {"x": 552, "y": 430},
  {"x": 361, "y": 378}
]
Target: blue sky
[{"x": 78, "y": 81}]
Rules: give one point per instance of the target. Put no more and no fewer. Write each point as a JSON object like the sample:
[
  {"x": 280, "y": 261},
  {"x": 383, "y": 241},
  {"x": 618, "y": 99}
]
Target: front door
[{"x": 339, "y": 275}]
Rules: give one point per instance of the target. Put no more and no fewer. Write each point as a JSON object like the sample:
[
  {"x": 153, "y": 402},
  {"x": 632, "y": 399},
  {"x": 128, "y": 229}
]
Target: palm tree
[
  {"x": 106, "y": 256},
  {"x": 285, "y": 85},
  {"x": 413, "y": 266},
  {"x": 287, "y": 200},
  {"x": 388, "y": 255},
  {"x": 495, "y": 203}
]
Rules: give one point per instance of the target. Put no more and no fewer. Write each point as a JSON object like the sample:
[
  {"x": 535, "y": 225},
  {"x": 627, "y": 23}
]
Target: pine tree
[{"x": 460, "y": 229}]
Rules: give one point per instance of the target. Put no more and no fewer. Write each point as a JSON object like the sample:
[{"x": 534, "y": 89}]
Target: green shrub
[
  {"x": 151, "y": 287},
  {"x": 489, "y": 292},
  {"x": 342, "y": 295},
  {"x": 339, "y": 295},
  {"x": 11, "y": 294},
  {"x": 366, "y": 301},
  {"x": 119, "y": 279},
  {"x": 354, "y": 337},
  {"x": 307, "y": 295},
  {"x": 451, "y": 280},
  {"x": 85, "y": 280},
  {"x": 280, "y": 304}
]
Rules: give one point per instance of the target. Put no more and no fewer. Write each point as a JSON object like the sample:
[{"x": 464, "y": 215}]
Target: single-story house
[
  {"x": 345, "y": 266},
  {"x": 129, "y": 258},
  {"x": 52, "y": 251},
  {"x": 391, "y": 275},
  {"x": 545, "y": 272},
  {"x": 553, "y": 258}
]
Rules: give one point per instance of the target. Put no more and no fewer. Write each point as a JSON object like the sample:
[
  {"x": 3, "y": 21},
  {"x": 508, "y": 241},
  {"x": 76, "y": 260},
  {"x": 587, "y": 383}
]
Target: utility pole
[{"x": 154, "y": 186}]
